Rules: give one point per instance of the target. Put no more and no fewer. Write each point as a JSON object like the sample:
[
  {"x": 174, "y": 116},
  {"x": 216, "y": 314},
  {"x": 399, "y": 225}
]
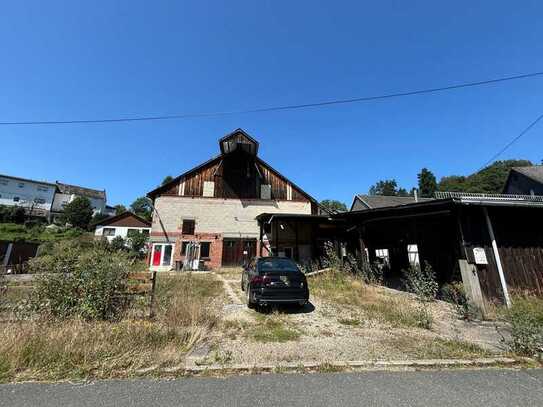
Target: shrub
[
  {"x": 455, "y": 294},
  {"x": 421, "y": 281},
  {"x": 117, "y": 244},
  {"x": 526, "y": 320},
  {"x": 89, "y": 282}
]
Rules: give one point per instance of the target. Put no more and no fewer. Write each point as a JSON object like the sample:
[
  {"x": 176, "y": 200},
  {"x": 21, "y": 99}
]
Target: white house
[
  {"x": 35, "y": 196},
  {"x": 67, "y": 193},
  {"x": 123, "y": 225}
]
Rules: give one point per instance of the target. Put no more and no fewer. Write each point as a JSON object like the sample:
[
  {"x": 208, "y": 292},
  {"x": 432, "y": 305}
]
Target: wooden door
[{"x": 237, "y": 251}]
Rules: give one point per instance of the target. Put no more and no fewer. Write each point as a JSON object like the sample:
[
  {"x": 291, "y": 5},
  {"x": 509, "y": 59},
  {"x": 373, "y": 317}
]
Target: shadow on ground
[{"x": 286, "y": 309}]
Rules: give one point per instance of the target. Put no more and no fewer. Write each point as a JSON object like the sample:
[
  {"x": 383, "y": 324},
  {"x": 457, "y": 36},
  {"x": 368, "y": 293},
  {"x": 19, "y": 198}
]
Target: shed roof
[
  {"x": 534, "y": 172},
  {"x": 125, "y": 219},
  {"x": 386, "y": 201}
]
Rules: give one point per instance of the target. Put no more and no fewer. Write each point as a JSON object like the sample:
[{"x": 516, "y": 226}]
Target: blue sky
[{"x": 85, "y": 60}]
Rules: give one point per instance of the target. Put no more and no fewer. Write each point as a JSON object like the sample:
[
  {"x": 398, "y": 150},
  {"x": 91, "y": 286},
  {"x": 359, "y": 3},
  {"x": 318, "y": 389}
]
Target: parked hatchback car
[{"x": 274, "y": 280}]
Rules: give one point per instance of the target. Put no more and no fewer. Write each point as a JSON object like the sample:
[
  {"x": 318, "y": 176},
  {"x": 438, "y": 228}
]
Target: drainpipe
[{"x": 497, "y": 258}]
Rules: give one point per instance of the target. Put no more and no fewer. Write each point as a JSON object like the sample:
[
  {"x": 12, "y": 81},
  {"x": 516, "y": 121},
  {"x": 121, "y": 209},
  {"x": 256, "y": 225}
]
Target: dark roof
[
  {"x": 124, "y": 215},
  {"x": 235, "y": 135},
  {"x": 81, "y": 191},
  {"x": 385, "y": 201},
  {"x": 534, "y": 172},
  {"x": 27, "y": 180}
]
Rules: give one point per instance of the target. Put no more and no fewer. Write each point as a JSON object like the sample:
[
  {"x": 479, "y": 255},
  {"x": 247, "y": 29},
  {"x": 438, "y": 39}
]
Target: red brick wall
[{"x": 215, "y": 250}]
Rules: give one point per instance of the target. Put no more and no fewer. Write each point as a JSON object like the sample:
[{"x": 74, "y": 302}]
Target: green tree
[
  {"x": 427, "y": 183},
  {"x": 142, "y": 207},
  {"x": 333, "y": 205},
  {"x": 119, "y": 209},
  {"x": 490, "y": 180},
  {"x": 166, "y": 179},
  {"x": 98, "y": 217},
  {"x": 78, "y": 213},
  {"x": 388, "y": 187}
]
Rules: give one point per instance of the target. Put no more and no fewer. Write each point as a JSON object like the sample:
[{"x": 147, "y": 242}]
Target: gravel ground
[{"x": 322, "y": 337}]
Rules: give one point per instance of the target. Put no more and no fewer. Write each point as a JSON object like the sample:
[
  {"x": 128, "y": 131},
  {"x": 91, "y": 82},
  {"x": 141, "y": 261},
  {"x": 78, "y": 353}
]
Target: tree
[
  {"x": 166, "y": 179},
  {"x": 98, "y": 216},
  {"x": 142, "y": 207},
  {"x": 387, "y": 187},
  {"x": 427, "y": 183},
  {"x": 489, "y": 180},
  {"x": 333, "y": 205},
  {"x": 78, "y": 213},
  {"x": 119, "y": 209},
  {"x": 137, "y": 242}
]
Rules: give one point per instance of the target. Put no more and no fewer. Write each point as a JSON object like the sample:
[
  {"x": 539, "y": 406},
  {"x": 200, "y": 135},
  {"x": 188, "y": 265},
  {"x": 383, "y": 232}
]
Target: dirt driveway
[{"x": 326, "y": 331}]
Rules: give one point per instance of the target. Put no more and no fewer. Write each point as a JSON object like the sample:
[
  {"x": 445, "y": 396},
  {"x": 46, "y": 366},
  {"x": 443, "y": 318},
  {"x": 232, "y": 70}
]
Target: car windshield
[{"x": 277, "y": 264}]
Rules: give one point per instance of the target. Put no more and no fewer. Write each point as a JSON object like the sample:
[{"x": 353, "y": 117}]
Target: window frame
[
  {"x": 105, "y": 232},
  {"x": 208, "y": 250},
  {"x": 191, "y": 228}
]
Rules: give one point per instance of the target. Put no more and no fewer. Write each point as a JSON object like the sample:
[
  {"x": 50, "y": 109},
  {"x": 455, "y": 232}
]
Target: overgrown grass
[
  {"x": 525, "y": 318},
  {"x": 340, "y": 288},
  {"x": 436, "y": 348},
  {"x": 15, "y": 232},
  {"x": 272, "y": 328},
  {"x": 72, "y": 348}
]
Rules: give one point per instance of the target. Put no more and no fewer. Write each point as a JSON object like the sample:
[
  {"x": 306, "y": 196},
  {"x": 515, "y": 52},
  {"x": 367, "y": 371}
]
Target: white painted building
[
  {"x": 123, "y": 225},
  {"x": 34, "y": 196}
]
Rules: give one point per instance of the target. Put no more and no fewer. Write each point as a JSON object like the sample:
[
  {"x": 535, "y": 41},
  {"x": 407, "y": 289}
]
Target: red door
[{"x": 156, "y": 255}]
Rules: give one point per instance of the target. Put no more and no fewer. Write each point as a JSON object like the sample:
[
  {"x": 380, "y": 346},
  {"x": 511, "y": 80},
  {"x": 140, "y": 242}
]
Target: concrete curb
[{"x": 339, "y": 366}]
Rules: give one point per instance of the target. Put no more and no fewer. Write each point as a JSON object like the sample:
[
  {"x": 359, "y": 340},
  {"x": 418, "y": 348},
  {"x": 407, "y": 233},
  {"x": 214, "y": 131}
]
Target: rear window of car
[{"x": 276, "y": 265}]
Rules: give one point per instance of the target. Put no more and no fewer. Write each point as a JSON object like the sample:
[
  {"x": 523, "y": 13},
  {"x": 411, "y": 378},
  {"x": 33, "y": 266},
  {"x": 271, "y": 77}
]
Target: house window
[
  {"x": 39, "y": 200},
  {"x": 21, "y": 185},
  {"x": 3, "y": 181},
  {"x": 42, "y": 188},
  {"x": 15, "y": 199},
  {"x": 188, "y": 226},
  {"x": 167, "y": 255},
  {"x": 204, "y": 249},
  {"x": 413, "y": 254},
  {"x": 108, "y": 232},
  {"x": 383, "y": 255}
]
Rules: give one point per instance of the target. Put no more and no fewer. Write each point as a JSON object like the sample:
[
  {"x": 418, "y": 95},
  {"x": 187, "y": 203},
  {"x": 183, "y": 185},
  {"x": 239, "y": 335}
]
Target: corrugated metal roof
[
  {"x": 81, "y": 191},
  {"x": 386, "y": 201}
]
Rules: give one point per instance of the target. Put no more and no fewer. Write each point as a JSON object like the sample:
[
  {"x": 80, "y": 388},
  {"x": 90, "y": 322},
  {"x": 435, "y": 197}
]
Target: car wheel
[{"x": 250, "y": 303}]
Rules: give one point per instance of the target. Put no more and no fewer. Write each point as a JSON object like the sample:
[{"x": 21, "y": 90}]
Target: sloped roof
[
  {"x": 534, "y": 172},
  {"x": 385, "y": 201},
  {"x": 125, "y": 219},
  {"x": 81, "y": 191}
]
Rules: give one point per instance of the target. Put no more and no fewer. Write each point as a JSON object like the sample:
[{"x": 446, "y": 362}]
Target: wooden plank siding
[{"x": 236, "y": 176}]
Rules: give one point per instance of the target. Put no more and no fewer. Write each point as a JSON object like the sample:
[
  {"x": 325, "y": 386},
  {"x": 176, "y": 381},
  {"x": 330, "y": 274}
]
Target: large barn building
[{"x": 215, "y": 205}]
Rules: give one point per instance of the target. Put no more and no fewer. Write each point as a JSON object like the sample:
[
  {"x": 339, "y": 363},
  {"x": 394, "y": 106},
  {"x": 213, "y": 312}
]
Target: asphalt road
[{"x": 442, "y": 388}]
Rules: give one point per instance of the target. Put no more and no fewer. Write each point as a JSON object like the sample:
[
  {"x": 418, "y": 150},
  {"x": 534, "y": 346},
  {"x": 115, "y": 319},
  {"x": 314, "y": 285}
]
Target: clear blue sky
[{"x": 85, "y": 60}]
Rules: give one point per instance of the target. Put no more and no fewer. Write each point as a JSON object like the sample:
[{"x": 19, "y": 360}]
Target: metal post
[{"x": 497, "y": 258}]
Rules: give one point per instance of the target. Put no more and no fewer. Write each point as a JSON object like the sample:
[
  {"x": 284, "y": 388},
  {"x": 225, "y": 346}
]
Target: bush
[
  {"x": 421, "y": 281},
  {"x": 526, "y": 320},
  {"x": 455, "y": 294},
  {"x": 76, "y": 280},
  {"x": 15, "y": 214},
  {"x": 117, "y": 244}
]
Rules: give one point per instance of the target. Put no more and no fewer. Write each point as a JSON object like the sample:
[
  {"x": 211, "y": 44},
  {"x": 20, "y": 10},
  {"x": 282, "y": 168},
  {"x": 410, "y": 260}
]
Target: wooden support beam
[{"x": 497, "y": 258}]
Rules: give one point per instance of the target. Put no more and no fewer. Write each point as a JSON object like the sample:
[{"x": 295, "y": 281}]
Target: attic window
[
  {"x": 209, "y": 189},
  {"x": 265, "y": 191}
]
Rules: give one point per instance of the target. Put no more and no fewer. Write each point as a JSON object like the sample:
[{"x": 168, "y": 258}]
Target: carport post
[{"x": 497, "y": 258}]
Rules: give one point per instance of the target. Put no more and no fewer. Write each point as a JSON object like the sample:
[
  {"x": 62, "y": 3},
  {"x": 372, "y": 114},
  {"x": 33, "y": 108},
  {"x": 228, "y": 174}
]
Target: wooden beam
[{"x": 497, "y": 258}]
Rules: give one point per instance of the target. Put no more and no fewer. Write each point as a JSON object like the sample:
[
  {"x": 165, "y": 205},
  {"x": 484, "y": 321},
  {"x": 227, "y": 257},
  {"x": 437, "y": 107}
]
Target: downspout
[{"x": 497, "y": 258}]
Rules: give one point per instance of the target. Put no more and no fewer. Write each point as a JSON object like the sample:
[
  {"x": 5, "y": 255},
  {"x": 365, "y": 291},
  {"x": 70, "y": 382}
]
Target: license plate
[{"x": 284, "y": 279}]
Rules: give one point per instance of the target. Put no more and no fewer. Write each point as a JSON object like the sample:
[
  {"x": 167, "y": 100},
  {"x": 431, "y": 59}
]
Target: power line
[
  {"x": 513, "y": 141},
  {"x": 275, "y": 108}
]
